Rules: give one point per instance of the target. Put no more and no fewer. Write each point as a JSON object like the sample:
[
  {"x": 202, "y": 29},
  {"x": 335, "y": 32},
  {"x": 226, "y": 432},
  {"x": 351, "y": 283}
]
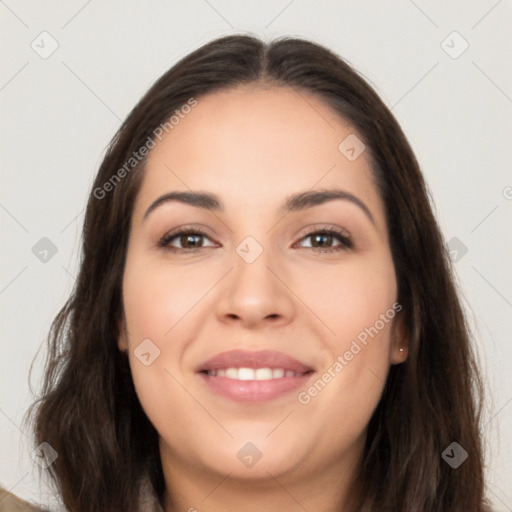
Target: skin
[{"x": 253, "y": 147}]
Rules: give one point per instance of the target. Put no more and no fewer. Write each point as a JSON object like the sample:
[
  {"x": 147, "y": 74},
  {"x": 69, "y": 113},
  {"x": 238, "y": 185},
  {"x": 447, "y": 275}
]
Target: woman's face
[{"x": 265, "y": 273}]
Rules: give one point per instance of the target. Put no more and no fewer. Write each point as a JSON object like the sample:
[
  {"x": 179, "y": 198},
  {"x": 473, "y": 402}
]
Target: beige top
[{"x": 11, "y": 503}]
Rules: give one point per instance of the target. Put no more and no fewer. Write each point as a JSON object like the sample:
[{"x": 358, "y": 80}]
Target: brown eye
[
  {"x": 187, "y": 240},
  {"x": 324, "y": 239}
]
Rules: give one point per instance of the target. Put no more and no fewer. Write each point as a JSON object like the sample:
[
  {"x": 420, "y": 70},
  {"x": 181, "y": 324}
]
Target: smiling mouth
[
  {"x": 257, "y": 374},
  {"x": 253, "y": 376}
]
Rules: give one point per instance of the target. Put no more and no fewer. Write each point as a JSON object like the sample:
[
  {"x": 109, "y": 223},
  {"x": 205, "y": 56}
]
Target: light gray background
[{"x": 59, "y": 113}]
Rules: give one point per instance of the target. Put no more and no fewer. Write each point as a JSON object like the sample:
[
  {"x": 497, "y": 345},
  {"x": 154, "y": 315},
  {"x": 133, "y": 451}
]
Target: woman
[{"x": 265, "y": 316}]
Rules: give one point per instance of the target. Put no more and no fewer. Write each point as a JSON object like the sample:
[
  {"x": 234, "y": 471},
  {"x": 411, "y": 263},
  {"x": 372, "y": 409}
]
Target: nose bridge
[
  {"x": 252, "y": 279},
  {"x": 252, "y": 292},
  {"x": 253, "y": 253}
]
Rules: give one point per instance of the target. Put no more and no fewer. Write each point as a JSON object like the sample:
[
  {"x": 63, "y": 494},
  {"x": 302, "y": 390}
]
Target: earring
[{"x": 401, "y": 350}]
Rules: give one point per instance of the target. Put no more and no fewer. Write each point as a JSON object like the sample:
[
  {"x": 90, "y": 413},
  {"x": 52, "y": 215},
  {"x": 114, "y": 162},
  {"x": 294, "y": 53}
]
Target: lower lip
[{"x": 254, "y": 390}]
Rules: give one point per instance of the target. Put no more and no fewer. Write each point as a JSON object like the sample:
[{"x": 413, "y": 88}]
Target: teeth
[
  {"x": 231, "y": 373},
  {"x": 263, "y": 374},
  {"x": 246, "y": 374},
  {"x": 253, "y": 374}
]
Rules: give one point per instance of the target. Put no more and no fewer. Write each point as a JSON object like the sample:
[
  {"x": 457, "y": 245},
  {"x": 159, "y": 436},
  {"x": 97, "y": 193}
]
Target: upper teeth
[{"x": 253, "y": 374}]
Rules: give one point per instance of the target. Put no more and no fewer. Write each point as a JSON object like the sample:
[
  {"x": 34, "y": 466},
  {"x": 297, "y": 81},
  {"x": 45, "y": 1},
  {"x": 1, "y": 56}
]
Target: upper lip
[{"x": 254, "y": 359}]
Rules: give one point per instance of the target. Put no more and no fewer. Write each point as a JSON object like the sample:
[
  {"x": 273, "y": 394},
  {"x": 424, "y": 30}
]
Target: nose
[{"x": 255, "y": 293}]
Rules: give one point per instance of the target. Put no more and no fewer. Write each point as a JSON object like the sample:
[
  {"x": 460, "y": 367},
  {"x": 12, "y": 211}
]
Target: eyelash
[{"x": 345, "y": 241}]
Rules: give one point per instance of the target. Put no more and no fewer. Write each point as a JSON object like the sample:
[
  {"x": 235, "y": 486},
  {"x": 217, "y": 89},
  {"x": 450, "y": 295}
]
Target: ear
[
  {"x": 122, "y": 336},
  {"x": 399, "y": 340}
]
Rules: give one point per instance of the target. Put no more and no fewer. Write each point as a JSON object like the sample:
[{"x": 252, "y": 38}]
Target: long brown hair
[{"x": 88, "y": 410}]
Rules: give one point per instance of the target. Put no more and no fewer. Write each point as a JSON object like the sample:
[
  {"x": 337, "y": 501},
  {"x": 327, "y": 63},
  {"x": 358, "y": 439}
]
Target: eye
[
  {"x": 321, "y": 240},
  {"x": 189, "y": 240}
]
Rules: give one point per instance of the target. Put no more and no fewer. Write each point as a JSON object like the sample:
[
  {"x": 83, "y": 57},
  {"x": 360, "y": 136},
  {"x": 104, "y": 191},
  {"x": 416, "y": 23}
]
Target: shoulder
[{"x": 11, "y": 503}]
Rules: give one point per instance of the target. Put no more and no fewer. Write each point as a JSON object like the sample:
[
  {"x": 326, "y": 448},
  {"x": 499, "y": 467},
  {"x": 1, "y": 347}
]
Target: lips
[
  {"x": 253, "y": 377},
  {"x": 260, "y": 359}
]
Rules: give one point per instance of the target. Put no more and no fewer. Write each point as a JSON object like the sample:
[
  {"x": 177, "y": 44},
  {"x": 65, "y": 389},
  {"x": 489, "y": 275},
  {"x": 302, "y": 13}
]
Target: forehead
[{"x": 253, "y": 145}]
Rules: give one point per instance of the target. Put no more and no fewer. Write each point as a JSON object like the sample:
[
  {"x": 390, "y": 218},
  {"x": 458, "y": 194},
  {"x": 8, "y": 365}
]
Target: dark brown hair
[{"x": 88, "y": 410}]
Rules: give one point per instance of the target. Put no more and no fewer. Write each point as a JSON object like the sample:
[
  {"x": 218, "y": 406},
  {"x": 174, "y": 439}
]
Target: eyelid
[{"x": 320, "y": 228}]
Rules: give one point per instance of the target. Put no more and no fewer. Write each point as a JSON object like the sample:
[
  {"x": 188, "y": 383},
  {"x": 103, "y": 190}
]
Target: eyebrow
[{"x": 294, "y": 203}]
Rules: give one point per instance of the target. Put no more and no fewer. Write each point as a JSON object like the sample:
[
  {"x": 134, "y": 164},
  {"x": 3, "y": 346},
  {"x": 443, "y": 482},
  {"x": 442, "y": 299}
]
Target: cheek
[
  {"x": 350, "y": 386},
  {"x": 156, "y": 298},
  {"x": 356, "y": 302},
  {"x": 161, "y": 394},
  {"x": 349, "y": 298},
  {"x": 159, "y": 307}
]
